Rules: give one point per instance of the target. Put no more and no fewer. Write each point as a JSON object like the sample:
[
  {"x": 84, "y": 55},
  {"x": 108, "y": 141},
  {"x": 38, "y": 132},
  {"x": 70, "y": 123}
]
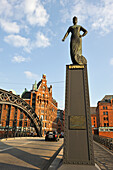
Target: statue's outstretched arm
[
  {"x": 67, "y": 33},
  {"x": 84, "y": 31}
]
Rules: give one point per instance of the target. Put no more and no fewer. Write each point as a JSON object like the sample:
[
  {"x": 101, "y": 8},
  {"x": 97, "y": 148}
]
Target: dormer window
[{"x": 44, "y": 87}]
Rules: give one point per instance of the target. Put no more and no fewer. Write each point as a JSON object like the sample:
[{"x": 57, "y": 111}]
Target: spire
[
  {"x": 25, "y": 90},
  {"x": 35, "y": 86}
]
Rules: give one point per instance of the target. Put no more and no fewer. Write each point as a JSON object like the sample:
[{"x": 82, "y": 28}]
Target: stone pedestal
[{"x": 78, "y": 143}]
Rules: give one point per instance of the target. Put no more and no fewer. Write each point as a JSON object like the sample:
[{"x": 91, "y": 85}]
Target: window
[
  {"x": 45, "y": 117},
  {"x": 103, "y": 113},
  {"x": 5, "y": 107},
  {"x": 94, "y": 118},
  {"x": 42, "y": 105},
  {"x": 20, "y": 123},
  {"x": 106, "y": 113},
  {"x": 42, "y": 117},
  {"x": 44, "y": 87},
  {"x": 104, "y": 124},
  {"x": 25, "y": 123},
  {"x": 43, "y": 95},
  {"x": 21, "y": 116},
  {"x": 107, "y": 124},
  {"x": 94, "y": 125},
  {"x": 45, "y": 124},
  {"x": 106, "y": 107},
  {"x": 103, "y": 107},
  {"x": 101, "y": 129},
  {"x": 105, "y": 118},
  {"x": 33, "y": 105},
  {"x": 42, "y": 111}
]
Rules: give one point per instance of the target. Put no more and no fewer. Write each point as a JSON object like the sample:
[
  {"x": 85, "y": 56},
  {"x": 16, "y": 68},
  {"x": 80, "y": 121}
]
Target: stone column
[{"x": 78, "y": 142}]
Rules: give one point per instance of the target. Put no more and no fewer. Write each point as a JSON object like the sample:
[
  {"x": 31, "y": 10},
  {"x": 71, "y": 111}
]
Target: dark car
[
  {"x": 61, "y": 135},
  {"x": 51, "y": 135}
]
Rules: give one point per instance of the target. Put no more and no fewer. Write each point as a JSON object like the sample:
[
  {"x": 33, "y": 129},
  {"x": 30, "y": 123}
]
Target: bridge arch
[{"x": 14, "y": 100}]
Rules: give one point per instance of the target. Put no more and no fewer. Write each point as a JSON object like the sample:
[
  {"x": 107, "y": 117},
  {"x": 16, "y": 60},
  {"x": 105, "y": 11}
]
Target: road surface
[{"x": 27, "y": 154}]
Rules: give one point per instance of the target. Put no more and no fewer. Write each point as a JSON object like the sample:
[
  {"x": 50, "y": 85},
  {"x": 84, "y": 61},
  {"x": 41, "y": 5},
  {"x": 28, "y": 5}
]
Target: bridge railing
[{"x": 108, "y": 142}]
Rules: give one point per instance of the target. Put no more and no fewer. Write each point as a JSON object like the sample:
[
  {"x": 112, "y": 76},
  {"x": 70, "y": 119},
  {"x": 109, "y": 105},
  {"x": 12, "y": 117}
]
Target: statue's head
[{"x": 74, "y": 20}]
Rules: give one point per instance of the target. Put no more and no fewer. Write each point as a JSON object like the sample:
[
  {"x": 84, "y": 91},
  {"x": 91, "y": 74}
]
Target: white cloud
[
  {"x": 9, "y": 27},
  {"x": 64, "y": 2},
  {"x": 41, "y": 40},
  {"x": 30, "y": 75},
  {"x": 16, "y": 14},
  {"x": 48, "y": 1},
  {"x": 99, "y": 15},
  {"x": 27, "y": 44},
  {"x": 20, "y": 59},
  {"x": 5, "y": 9},
  {"x": 17, "y": 40},
  {"x": 36, "y": 13}
]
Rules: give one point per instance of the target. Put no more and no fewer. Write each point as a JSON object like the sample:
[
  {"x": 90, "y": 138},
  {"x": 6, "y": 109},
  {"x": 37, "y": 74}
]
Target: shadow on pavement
[
  {"x": 4, "y": 166},
  {"x": 32, "y": 159}
]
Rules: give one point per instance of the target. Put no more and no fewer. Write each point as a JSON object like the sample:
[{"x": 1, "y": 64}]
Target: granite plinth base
[{"x": 77, "y": 167}]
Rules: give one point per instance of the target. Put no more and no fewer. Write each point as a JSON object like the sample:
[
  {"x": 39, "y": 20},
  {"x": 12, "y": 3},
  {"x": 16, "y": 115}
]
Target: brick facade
[
  {"x": 94, "y": 120},
  {"x": 60, "y": 127},
  {"x": 40, "y": 98},
  {"x": 105, "y": 116},
  {"x": 14, "y": 121}
]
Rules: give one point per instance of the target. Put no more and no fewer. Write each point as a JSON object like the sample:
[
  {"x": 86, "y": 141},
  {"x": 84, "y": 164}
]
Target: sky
[{"x": 30, "y": 44}]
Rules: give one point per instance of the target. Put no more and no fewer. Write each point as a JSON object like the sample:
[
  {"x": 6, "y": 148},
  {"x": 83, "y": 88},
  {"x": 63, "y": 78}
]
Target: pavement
[
  {"x": 58, "y": 162},
  {"x": 103, "y": 157},
  {"x": 28, "y": 153}
]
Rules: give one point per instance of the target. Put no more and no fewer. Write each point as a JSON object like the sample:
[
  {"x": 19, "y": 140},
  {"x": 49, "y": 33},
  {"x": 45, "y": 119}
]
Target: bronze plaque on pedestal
[{"x": 77, "y": 122}]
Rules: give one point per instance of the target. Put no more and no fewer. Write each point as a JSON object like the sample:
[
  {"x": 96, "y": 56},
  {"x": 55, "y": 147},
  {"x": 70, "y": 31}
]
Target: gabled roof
[
  {"x": 58, "y": 119},
  {"x": 107, "y": 97},
  {"x": 39, "y": 84},
  {"x": 92, "y": 110}
]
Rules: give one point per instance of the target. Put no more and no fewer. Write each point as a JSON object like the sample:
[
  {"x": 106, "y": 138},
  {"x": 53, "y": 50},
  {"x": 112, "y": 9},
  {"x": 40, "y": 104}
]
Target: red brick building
[
  {"x": 60, "y": 127},
  {"x": 40, "y": 98},
  {"x": 60, "y": 121},
  {"x": 13, "y": 120},
  {"x": 105, "y": 116},
  {"x": 94, "y": 120}
]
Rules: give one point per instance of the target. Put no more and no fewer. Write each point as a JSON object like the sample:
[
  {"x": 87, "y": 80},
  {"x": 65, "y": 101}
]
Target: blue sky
[{"x": 30, "y": 44}]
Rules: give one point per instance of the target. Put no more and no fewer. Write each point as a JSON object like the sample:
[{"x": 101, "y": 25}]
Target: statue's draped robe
[{"x": 76, "y": 43}]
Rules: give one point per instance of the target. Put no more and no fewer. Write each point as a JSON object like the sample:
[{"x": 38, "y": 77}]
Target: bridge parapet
[{"x": 108, "y": 142}]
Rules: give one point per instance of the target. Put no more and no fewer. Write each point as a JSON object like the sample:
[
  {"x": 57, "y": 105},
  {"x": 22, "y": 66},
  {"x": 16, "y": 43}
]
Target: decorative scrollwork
[{"x": 12, "y": 99}]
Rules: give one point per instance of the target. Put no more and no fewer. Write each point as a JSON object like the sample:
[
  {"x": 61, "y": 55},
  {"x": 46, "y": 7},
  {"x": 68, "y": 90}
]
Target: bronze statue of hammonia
[{"x": 76, "y": 42}]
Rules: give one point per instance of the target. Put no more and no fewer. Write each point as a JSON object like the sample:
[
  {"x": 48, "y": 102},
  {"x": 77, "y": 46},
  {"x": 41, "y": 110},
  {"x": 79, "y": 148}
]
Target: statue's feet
[{"x": 81, "y": 60}]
